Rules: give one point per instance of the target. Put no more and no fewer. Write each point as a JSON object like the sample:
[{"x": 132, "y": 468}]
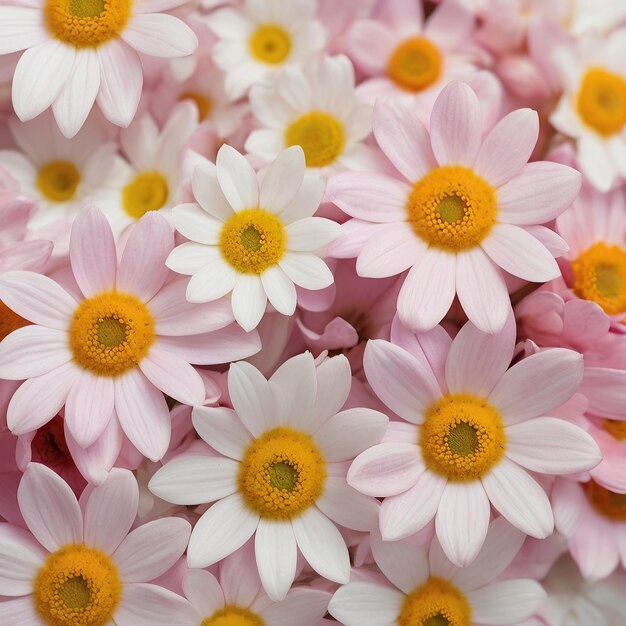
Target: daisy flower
[
  {"x": 313, "y": 107},
  {"x": 431, "y": 591},
  {"x": 59, "y": 174},
  {"x": 79, "y": 564},
  {"x": 592, "y": 109},
  {"x": 234, "y": 596},
  {"x": 256, "y": 239},
  {"x": 408, "y": 57},
  {"x": 467, "y": 209},
  {"x": 280, "y": 471},
  {"x": 473, "y": 432},
  {"x": 150, "y": 179},
  {"x": 112, "y": 346},
  {"x": 77, "y": 54},
  {"x": 263, "y": 36}
]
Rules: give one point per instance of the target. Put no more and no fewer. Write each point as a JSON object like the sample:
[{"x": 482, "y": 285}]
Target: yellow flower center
[
  {"x": 415, "y": 64},
  {"x": 9, "y": 321},
  {"x": 253, "y": 240},
  {"x": 270, "y": 44},
  {"x": 462, "y": 437},
  {"x": 602, "y": 101},
  {"x": 233, "y": 616},
  {"x": 617, "y": 428},
  {"x": 86, "y": 23},
  {"x": 282, "y": 474},
  {"x": 148, "y": 191},
  {"x": 600, "y": 276},
  {"x": 452, "y": 208},
  {"x": 111, "y": 333},
  {"x": 77, "y": 586},
  {"x": 204, "y": 104},
  {"x": 608, "y": 503},
  {"x": 57, "y": 181},
  {"x": 436, "y": 603},
  {"x": 320, "y": 135}
]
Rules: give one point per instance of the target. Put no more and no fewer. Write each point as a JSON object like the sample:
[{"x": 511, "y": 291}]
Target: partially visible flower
[
  {"x": 261, "y": 37},
  {"x": 280, "y": 473},
  {"x": 81, "y": 564},
  {"x": 256, "y": 239}
]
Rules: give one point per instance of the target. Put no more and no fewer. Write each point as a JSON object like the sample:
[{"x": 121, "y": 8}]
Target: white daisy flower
[
  {"x": 279, "y": 472},
  {"x": 79, "y": 53},
  {"x": 313, "y": 107},
  {"x": 262, "y": 37},
  {"x": 254, "y": 239}
]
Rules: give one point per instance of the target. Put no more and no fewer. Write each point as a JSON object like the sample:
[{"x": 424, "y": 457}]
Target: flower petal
[
  {"x": 160, "y": 35},
  {"x": 366, "y": 604},
  {"x": 222, "y": 430},
  {"x": 276, "y": 556},
  {"x": 21, "y": 557},
  {"x": 280, "y": 290},
  {"x": 282, "y": 180},
  {"x": 306, "y": 270},
  {"x": 249, "y": 301},
  {"x": 346, "y": 506},
  {"x": 507, "y": 602},
  {"x": 237, "y": 179}
]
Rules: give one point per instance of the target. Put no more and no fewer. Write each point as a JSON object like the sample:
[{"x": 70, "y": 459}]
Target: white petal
[
  {"x": 280, "y": 290},
  {"x": 306, "y": 270},
  {"x": 282, "y": 180},
  {"x": 249, "y": 301},
  {"x": 346, "y": 506},
  {"x": 222, "y": 430},
  {"x": 160, "y": 35},
  {"x": 237, "y": 179},
  {"x": 276, "y": 556},
  {"x": 366, "y": 604},
  {"x": 20, "y": 559}
]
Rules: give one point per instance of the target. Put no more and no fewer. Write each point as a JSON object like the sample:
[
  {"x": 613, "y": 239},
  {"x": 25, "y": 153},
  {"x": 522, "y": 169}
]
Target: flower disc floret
[
  {"x": 270, "y": 44},
  {"x": 282, "y": 474},
  {"x": 111, "y": 333},
  {"x": 320, "y": 135},
  {"x": 462, "y": 437},
  {"x": 86, "y": 23},
  {"x": 452, "y": 208},
  {"x": 602, "y": 101},
  {"x": 77, "y": 586},
  {"x": 436, "y": 603},
  {"x": 58, "y": 180},
  {"x": 600, "y": 276},
  {"x": 203, "y": 102},
  {"x": 415, "y": 64},
  {"x": 233, "y": 616},
  {"x": 148, "y": 191},
  {"x": 608, "y": 503},
  {"x": 253, "y": 240}
]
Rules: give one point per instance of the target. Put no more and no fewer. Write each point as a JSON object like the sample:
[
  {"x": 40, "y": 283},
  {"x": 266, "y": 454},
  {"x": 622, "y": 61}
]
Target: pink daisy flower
[
  {"x": 473, "y": 432},
  {"x": 467, "y": 209},
  {"x": 427, "y": 589},
  {"x": 77, "y": 563},
  {"x": 235, "y": 596},
  {"x": 77, "y": 54},
  {"x": 114, "y": 345},
  {"x": 280, "y": 471}
]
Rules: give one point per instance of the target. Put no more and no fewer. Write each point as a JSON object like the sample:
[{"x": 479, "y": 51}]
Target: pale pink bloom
[
  {"x": 113, "y": 350},
  {"x": 423, "y": 580},
  {"x": 294, "y": 426},
  {"x": 236, "y": 593},
  {"x": 385, "y": 49},
  {"x": 104, "y": 554},
  {"x": 468, "y": 208},
  {"x": 338, "y": 17},
  {"x": 473, "y": 431},
  {"x": 95, "y": 60}
]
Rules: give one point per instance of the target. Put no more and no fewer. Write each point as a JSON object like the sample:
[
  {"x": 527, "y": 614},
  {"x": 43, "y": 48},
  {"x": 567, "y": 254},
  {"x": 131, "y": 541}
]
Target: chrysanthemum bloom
[
  {"x": 404, "y": 56},
  {"x": 470, "y": 209},
  {"x": 261, "y": 37},
  {"x": 79, "y": 564},
  {"x": 430, "y": 591},
  {"x": 235, "y": 597},
  {"x": 79, "y": 53},
  {"x": 313, "y": 107},
  {"x": 281, "y": 471},
  {"x": 59, "y": 174},
  {"x": 111, "y": 348},
  {"x": 592, "y": 109},
  {"x": 474, "y": 429},
  {"x": 256, "y": 239}
]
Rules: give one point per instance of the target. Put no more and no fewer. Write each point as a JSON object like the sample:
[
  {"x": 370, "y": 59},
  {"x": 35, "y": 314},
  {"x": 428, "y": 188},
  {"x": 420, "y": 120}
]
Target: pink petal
[
  {"x": 142, "y": 270},
  {"x": 49, "y": 507},
  {"x": 450, "y": 25},
  {"x": 605, "y": 389},
  {"x": 304, "y": 606},
  {"x": 143, "y": 414},
  {"x": 507, "y": 602},
  {"x": 508, "y": 146},
  {"x": 455, "y": 125},
  {"x": 203, "y": 591},
  {"x": 403, "y": 139},
  {"x": 276, "y": 556},
  {"x": 346, "y": 506},
  {"x": 160, "y": 35},
  {"x": 21, "y": 558},
  {"x": 371, "y": 44},
  {"x": 110, "y": 511},
  {"x": 93, "y": 253},
  {"x": 519, "y": 499}
]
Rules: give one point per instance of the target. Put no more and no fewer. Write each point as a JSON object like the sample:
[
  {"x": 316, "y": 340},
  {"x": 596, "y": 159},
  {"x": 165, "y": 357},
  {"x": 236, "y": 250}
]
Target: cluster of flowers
[{"x": 312, "y": 312}]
